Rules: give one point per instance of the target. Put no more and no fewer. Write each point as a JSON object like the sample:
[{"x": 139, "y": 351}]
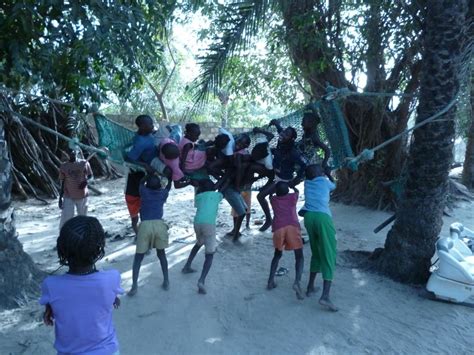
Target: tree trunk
[
  {"x": 368, "y": 120},
  {"x": 19, "y": 277},
  {"x": 410, "y": 243},
  {"x": 468, "y": 166}
]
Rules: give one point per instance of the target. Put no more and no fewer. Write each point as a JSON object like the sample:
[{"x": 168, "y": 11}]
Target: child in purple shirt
[
  {"x": 80, "y": 302},
  {"x": 286, "y": 233}
]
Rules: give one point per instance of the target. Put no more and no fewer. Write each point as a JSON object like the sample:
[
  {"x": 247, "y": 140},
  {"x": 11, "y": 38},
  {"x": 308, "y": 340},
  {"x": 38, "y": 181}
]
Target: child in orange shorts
[{"x": 286, "y": 233}]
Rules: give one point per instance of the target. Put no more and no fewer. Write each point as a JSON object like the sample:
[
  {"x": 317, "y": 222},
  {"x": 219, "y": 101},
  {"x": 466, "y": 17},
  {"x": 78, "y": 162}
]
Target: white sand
[{"x": 238, "y": 315}]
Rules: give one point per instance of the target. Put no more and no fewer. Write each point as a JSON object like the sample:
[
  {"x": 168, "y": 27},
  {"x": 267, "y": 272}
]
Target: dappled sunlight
[
  {"x": 354, "y": 315},
  {"x": 360, "y": 279}
]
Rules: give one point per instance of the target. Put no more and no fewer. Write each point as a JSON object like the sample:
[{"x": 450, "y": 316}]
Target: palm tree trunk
[
  {"x": 468, "y": 167},
  {"x": 19, "y": 277},
  {"x": 410, "y": 243}
]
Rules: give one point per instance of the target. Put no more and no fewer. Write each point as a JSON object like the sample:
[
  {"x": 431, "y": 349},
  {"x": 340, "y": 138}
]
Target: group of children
[{"x": 220, "y": 169}]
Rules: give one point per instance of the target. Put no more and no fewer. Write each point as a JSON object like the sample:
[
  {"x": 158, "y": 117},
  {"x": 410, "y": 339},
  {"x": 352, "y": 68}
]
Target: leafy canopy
[{"x": 79, "y": 50}]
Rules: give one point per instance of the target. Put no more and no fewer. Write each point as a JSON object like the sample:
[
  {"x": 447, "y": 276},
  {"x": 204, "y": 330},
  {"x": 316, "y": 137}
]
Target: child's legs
[
  {"x": 137, "y": 263},
  {"x": 327, "y": 245},
  {"x": 67, "y": 212},
  {"x": 309, "y": 223},
  {"x": 198, "y": 230},
  {"x": 235, "y": 199},
  {"x": 273, "y": 267},
  {"x": 81, "y": 206},
  {"x": 161, "y": 254},
  {"x": 133, "y": 205},
  {"x": 299, "y": 263},
  {"x": 210, "y": 243},
  {"x": 261, "y": 197}
]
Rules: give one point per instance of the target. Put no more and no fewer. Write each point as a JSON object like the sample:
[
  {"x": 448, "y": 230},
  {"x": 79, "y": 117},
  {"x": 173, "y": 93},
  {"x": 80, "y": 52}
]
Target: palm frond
[{"x": 238, "y": 25}]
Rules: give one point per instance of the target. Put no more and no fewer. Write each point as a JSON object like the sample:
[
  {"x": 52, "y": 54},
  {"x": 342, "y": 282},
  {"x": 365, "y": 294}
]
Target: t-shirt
[
  {"x": 73, "y": 174},
  {"x": 143, "y": 149},
  {"x": 195, "y": 159},
  {"x": 133, "y": 183},
  {"x": 285, "y": 158},
  {"x": 316, "y": 194},
  {"x": 284, "y": 211},
  {"x": 228, "y": 150},
  {"x": 173, "y": 164},
  {"x": 152, "y": 202},
  {"x": 82, "y": 307},
  {"x": 207, "y": 204}
]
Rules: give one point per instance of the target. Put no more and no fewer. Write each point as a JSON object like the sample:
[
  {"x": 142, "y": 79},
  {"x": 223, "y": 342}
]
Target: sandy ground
[{"x": 238, "y": 315}]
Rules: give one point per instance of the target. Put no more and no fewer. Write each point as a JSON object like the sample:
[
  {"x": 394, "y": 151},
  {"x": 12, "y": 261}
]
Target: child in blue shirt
[
  {"x": 321, "y": 231},
  {"x": 153, "y": 231}
]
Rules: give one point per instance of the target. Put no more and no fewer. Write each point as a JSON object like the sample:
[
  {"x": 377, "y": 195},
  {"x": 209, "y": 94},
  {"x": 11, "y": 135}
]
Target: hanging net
[{"x": 115, "y": 137}]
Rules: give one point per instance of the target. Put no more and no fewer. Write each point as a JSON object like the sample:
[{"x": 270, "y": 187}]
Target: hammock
[{"x": 117, "y": 138}]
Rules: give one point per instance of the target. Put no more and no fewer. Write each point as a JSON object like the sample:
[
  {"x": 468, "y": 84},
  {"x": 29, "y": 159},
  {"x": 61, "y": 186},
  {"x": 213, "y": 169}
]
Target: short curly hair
[{"x": 81, "y": 242}]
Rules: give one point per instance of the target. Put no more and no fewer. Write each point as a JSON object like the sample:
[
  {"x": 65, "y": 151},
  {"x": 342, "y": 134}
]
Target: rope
[
  {"x": 335, "y": 93},
  {"x": 368, "y": 154}
]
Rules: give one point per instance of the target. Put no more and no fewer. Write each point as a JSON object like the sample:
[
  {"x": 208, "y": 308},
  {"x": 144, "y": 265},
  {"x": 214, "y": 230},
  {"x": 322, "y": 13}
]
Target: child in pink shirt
[
  {"x": 192, "y": 159},
  {"x": 286, "y": 233}
]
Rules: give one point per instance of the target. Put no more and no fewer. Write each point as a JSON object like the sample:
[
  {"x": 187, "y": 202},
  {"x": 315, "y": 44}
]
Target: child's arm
[
  {"x": 88, "y": 172},
  {"x": 267, "y": 134},
  {"x": 184, "y": 155},
  {"x": 48, "y": 316},
  {"x": 61, "y": 194},
  {"x": 300, "y": 173},
  {"x": 277, "y": 125},
  {"x": 327, "y": 153}
]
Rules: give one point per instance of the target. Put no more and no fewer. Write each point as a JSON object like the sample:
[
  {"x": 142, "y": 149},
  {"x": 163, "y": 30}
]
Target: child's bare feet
[
  {"x": 201, "y": 288},
  {"x": 325, "y": 302},
  {"x": 299, "y": 292},
  {"x": 165, "y": 285},
  {"x": 271, "y": 285},
  {"x": 187, "y": 270},
  {"x": 133, "y": 291},
  {"x": 310, "y": 290}
]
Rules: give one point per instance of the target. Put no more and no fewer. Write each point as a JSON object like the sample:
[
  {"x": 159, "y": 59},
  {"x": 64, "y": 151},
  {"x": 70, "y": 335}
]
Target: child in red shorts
[{"x": 286, "y": 233}]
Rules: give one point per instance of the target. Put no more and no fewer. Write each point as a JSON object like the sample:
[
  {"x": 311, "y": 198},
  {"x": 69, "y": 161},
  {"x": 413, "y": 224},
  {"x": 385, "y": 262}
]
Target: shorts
[
  {"x": 199, "y": 174},
  {"x": 206, "y": 235},
  {"x": 152, "y": 234},
  {"x": 133, "y": 205},
  {"x": 287, "y": 238},
  {"x": 236, "y": 201},
  {"x": 247, "y": 196}
]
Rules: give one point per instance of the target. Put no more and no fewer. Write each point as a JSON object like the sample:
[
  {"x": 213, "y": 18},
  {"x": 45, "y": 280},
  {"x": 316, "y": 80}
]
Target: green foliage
[{"x": 79, "y": 50}]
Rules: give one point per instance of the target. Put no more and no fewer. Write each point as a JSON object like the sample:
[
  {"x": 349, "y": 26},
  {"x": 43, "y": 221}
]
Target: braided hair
[{"x": 81, "y": 242}]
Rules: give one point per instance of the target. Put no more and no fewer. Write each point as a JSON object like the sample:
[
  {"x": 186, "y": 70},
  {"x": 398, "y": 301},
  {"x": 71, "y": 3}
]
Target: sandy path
[{"x": 238, "y": 315}]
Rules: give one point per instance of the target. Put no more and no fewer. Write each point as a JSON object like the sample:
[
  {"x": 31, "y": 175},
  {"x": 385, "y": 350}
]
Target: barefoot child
[
  {"x": 207, "y": 203},
  {"x": 73, "y": 175},
  {"x": 80, "y": 302},
  {"x": 321, "y": 231},
  {"x": 142, "y": 153},
  {"x": 286, "y": 233},
  {"x": 153, "y": 231}
]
